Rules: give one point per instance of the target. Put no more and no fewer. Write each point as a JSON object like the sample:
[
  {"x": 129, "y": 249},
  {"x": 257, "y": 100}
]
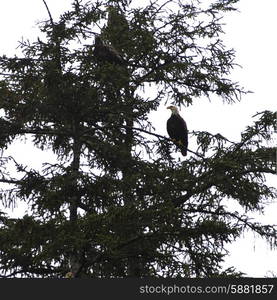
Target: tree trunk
[{"x": 74, "y": 259}]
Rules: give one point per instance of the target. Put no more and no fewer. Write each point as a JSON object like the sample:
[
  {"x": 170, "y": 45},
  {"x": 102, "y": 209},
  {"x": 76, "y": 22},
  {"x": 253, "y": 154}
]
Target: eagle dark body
[
  {"x": 178, "y": 132},
  {"x": 106, "y": 53}
]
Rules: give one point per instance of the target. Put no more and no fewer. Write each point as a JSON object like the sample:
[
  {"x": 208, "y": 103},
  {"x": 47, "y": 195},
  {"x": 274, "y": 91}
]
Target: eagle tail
[
  {"x": 184, "y": 151},
  {"x": 182, "y": 147}
]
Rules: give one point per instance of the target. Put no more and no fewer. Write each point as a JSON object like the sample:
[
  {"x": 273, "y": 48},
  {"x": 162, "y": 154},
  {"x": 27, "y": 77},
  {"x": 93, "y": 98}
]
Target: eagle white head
[{"x": 173, "y": 109}]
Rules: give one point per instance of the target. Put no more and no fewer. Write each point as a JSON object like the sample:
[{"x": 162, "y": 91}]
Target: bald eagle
[
  {"x": 177, "y": 130},
  {"x": 106, "y": 53}
]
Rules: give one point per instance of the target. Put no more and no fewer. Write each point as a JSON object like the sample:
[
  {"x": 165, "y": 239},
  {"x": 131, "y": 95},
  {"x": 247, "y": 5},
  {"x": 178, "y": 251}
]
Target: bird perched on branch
[
  {"x": 106, "y": 53},
  {"x": 177, "y": 130}
]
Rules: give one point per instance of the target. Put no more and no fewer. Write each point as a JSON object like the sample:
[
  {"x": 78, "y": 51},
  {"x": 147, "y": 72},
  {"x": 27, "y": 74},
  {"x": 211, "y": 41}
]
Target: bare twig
[
  {"x": 49, "y": 13},
  {"x": 4, "y": 180}
]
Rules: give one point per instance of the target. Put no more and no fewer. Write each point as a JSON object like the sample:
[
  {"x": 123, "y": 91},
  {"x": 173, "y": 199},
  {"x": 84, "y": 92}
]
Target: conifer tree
[{"x": 117, "y": 203}]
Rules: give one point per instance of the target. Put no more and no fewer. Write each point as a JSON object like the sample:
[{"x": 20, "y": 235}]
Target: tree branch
[
  {"x": 243, "y": 219},
  {"x": 141, "y": 130},
  {"x": 3, "y": 180},
  {"x": 49, "y": 13}
]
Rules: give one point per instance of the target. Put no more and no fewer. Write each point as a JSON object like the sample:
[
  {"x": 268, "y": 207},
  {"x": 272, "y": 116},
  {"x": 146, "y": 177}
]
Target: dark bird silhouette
[
  {"x": 106, "y": 53},
  {"x": 177, "y": 130}
]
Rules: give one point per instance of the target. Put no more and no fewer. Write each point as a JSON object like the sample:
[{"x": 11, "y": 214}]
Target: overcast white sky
[{"x": 252, "y": 32}]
